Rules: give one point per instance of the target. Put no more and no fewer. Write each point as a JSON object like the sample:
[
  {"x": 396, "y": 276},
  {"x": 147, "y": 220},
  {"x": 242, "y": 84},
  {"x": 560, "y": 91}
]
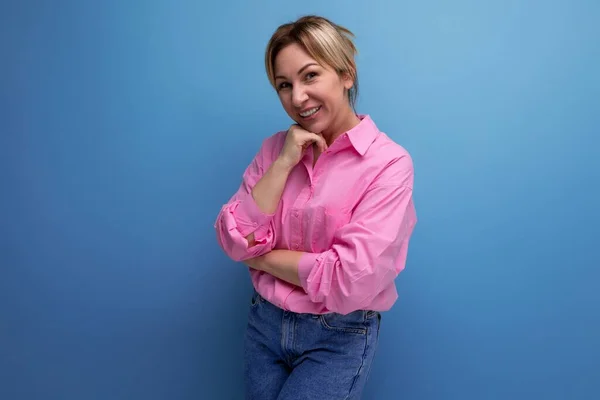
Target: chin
[{"x": 317, "y": 126}]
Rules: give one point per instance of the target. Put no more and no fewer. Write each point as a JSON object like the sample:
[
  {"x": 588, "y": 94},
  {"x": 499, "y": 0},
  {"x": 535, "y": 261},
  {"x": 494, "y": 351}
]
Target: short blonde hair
[{"x": 328, "y": 43}]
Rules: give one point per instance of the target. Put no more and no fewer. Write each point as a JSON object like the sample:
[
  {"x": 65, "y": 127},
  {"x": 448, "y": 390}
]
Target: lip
[{"x": 309, "y": 108}]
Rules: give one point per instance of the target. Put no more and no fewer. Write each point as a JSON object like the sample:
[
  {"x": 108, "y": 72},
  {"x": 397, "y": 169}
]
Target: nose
[{"x": 299, "y": 96}]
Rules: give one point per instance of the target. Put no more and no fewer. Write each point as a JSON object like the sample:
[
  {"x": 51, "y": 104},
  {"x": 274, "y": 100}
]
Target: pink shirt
[{"x": 352, "y": 216}]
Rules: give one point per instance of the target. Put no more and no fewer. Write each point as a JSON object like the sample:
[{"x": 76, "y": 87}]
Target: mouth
[{"x": 310, "y": 113}]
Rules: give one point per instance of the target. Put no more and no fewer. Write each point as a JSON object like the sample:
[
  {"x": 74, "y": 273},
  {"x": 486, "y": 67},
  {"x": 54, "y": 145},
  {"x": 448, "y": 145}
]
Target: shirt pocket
[{"x": 328, "y": 221}]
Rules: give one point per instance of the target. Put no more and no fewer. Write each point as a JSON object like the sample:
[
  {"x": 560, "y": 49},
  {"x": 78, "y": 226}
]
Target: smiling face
[{"x": 313, "y": 95}]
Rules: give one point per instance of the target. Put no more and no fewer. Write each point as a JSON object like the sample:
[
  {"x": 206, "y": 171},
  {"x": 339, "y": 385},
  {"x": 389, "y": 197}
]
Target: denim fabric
[{"x": 306, "y": 356}]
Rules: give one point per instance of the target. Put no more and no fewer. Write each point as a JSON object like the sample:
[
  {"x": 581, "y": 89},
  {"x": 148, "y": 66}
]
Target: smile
[{"x": 310, "y": 113}]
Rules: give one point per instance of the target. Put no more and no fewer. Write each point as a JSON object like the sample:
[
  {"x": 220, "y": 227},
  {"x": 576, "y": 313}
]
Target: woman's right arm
[
  {"x": 268, "y": 190},
  {"x": 245, "y": 224}
]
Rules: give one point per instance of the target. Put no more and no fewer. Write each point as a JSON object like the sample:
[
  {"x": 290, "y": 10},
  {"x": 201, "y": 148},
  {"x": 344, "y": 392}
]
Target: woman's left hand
[{"x": 282, "y": 264}]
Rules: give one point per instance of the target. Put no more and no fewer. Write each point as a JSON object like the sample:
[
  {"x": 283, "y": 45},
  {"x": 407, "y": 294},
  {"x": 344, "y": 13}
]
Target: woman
[{"x": 323, "y": 219}]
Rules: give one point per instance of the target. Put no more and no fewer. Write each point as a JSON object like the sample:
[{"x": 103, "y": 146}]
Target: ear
[{"x": 347, "y": 80}]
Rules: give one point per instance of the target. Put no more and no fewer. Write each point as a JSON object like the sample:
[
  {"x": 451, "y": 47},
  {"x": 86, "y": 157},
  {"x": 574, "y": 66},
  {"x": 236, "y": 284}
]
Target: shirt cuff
[
  {"x": 305, "y": 266},
  {"x": 248, "y": 216}
]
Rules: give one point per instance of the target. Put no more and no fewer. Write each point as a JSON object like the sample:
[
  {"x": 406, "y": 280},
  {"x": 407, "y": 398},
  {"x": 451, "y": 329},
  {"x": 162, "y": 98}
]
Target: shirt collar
[{"x": 363, "y": 135}]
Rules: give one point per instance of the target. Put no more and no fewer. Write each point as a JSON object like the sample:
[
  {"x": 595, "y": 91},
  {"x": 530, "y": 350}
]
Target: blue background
[{"x": 125, "y": 125}]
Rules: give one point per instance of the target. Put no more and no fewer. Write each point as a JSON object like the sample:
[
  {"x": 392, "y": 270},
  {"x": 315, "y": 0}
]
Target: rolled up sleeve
[
  {"x": 241, "y": 216},
  {"x": 368, "y": 253}
]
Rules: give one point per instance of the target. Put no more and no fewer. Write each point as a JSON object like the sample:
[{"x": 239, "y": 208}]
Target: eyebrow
[{"x": 299, "y": 71}]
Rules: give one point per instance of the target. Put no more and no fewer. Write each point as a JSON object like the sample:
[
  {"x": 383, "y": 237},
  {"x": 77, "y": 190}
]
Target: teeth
[{"x": 310, "y": 112}]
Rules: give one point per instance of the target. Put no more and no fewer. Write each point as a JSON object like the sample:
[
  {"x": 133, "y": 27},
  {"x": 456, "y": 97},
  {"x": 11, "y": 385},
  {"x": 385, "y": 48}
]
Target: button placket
[
  {"x": 297, "y": 236},
  {"x": 296, "y": 215}
]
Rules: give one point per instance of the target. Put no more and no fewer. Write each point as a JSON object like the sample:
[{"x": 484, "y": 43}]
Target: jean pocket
[
  {"x": 256, "y": 299},
  {"x": 349, "y": 323}
]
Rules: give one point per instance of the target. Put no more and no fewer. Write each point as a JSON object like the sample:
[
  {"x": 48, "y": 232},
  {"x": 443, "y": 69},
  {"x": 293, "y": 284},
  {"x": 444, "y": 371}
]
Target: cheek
[
  {"x": 334, "y": 95},
  {"x": 335, "y": 89},
  {"x": 286, "y": 103},
  {"x": 285, "y": 100}
]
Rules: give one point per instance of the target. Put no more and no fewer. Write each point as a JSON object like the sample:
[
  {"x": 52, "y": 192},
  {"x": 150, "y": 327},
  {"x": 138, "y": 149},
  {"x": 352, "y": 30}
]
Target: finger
[
  {"x": 319, "y": 140},
  {"x": 306, "y": 138},
  {"x": 311, "y": 138},
  {"x": 322, "y": 143}
]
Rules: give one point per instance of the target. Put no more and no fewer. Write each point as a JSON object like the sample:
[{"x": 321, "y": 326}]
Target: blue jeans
[{"x": 305, "y": 356}]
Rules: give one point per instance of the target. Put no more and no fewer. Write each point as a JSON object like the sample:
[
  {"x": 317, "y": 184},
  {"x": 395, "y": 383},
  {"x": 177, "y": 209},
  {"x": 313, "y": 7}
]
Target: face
[{"x": 312, "y": 95}]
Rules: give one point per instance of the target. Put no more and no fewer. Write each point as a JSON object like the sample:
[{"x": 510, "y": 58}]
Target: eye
[
  {"x": 311, "y": 75},
  {"x": 283, "y": 85}
]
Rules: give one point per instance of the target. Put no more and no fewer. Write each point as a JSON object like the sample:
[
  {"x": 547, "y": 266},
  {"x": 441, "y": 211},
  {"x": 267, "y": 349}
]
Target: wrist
[{"x": 283, "y": 165}]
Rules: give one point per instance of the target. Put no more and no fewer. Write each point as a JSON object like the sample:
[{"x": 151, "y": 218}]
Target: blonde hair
[{"x": 328, "y": 43}]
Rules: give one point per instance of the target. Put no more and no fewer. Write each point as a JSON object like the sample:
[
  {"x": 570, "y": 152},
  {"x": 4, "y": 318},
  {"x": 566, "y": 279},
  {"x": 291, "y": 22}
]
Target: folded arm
[
  {"x": 368, "y": 254},
  {"x": 244, "y": 225}
]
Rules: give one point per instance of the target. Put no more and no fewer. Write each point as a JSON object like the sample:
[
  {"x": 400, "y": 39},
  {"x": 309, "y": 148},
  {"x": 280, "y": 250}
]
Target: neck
[{"x": 345, "y": 121}]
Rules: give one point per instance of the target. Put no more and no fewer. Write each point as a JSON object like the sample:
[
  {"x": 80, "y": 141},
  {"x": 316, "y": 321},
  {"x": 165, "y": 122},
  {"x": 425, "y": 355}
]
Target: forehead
[{"x": 290, "y": 59}]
